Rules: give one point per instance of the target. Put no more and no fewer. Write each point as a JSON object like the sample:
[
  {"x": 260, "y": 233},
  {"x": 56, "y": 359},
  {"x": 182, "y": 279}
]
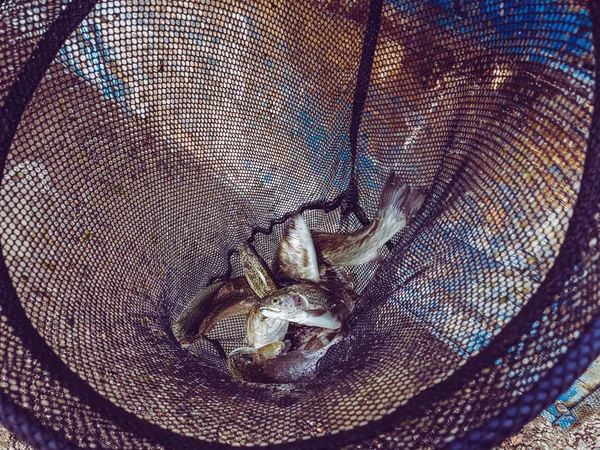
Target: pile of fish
[{"x": 293, "y": 319}]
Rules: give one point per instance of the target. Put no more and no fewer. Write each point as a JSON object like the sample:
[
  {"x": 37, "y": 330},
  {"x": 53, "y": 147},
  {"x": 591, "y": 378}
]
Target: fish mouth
[{"x": 269, "y": 311}]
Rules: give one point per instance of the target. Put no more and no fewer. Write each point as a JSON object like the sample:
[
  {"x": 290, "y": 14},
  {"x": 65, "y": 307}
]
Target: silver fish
[
  {"x": 250, "y": 365},
  {"x": 296, "y": 253},
  {"x": 262, "y": 330},
  {"x": 305, "y": 304},
  {"x": 399, "y": 202},
  {"x": 257, "y": 272}
]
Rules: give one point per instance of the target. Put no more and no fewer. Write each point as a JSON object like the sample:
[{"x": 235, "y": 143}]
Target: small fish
[
  {"x": 235, "y": 298},
  {"x": 262, "y": 330},
  {"x": 219, "y": 302},
  {"x": 250, "y": 365},
  {"x": 399, "y": 202},
  {"x": 257, "y": 272},
  {"x": 296, "y": 253},
  {"x": 186, "y": 326},
  {"x": 305, "y": 304}
]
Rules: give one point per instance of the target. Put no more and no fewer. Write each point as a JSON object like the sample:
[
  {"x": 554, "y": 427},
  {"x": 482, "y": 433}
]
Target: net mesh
[{"x": 143, "y": 142}]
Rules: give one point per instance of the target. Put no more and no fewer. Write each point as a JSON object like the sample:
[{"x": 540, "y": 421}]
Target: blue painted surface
[
  {"x": 93, "y": 64},
  {"x": 579, "y": 394}
]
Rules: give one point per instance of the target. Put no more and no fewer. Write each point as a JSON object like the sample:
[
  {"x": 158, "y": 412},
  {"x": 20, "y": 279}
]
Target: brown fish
[
  {"x": 235, "y": 298},
  {"x": 296, "y": 253},
  {"x": 399, "y": 202},
  {"x": 223, "y": 300},
  {"x": 257, "y": 272},
  {"x": 309, "y": 338},
  {"x": 185, "y": 328}
]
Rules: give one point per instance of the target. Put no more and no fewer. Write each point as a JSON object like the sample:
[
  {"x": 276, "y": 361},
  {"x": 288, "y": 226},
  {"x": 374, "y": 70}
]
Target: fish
[
  {"x": 257, "y": 272},
  {"x": 397, "y": 205},
  {"x": 185, "y": 328},
  {"x": 296, "y": 254},
  {"x": 300, "y": 335},
  {"x": 305, "y": 304},
  {"x": 262, "y": 330},
  {"x": 339, "y": 284},
  {"x": 223, "y": 300},
  {"x": 235, "y": 298},
  {"x": 250, "y": 364}
]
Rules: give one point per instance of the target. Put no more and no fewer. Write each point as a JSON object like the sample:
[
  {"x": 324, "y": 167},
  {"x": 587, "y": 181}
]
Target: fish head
[
  {"x": 244, "y": 362},
  {"x": 284, "y": 306}
]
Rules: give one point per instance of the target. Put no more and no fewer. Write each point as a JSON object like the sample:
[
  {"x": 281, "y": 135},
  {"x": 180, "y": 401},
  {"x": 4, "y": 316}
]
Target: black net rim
[{"x": 494, "y": 430}]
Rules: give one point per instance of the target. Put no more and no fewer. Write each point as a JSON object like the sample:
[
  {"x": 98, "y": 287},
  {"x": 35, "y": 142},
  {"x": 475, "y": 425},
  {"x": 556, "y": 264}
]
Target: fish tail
[
  {"x": 412, "y": 203},
  {"x": 398, "y": 199}
]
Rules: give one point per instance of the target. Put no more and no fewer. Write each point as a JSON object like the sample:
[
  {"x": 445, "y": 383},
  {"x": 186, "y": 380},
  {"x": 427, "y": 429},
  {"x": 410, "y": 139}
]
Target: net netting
[{"x": 143, "y": 142}]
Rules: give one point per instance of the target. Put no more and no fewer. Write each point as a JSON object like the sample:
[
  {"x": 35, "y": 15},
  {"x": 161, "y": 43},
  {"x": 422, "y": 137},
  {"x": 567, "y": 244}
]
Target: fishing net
[{"x": 143, "y": 142}]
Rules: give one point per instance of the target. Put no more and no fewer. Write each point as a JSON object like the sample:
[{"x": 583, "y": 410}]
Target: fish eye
[{"x": 276, "y": 301}]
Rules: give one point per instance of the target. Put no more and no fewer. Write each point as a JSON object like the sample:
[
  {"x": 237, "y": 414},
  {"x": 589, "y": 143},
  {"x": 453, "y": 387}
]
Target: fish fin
[
  {"x": 398, "y": 199},
  {"x": 412, "y": 203},
  {"x": 393, "y": 196},
  {"x": 288, "y": 346},
  {"x": 296, "y": 253},
  {"x": 272, "y": 350},
  {"x": 316, "y": 312},
  {"x": 315, "y": 343}
]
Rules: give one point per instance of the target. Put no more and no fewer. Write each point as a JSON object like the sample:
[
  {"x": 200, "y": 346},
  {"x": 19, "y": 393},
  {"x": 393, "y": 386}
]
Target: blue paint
[
  {"x": 520, "y": 28},
  {"x": 268, "y": 178},
  {"x": 548, "y": 416},
  {"x": 566, "y": 421},
  {"x": 95, "y": 67}
]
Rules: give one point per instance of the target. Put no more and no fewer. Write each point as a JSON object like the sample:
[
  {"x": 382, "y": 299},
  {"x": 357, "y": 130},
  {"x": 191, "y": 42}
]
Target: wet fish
[
  {"x": 296, "y": 254},
  {"x": 257, "y": 272},
  {"x": 305, "y": 304},
  {"x": 185, "y": 328},
  {"x": 262, "y": 330},
  {"x": 398, "y": 203},
  {"x": 241, "y": 360},
  {"x": 221, "y": 301},
  {"x": 235, "y": 298},
  {"x": 300, "y": 335},
  {"x": 250, "y": 365}
]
